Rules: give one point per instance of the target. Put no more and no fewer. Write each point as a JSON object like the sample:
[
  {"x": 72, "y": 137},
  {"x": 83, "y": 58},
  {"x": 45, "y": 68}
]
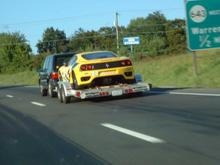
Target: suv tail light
[{"x": 54, "y": 75}]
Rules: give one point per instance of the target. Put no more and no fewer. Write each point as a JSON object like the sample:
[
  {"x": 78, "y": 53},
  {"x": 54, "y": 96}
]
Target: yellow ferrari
[{"x": 101, "y": 68}]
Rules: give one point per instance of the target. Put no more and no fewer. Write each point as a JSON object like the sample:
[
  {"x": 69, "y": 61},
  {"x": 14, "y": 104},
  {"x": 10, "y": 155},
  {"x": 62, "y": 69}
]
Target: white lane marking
[
  {"x": 32, "y": 86},
  {"x": 186, "y": 93},
  {"x": 38, "y": 104},
  {"x": 9, "y": 96},
  {"x": 147, "y": 138}
]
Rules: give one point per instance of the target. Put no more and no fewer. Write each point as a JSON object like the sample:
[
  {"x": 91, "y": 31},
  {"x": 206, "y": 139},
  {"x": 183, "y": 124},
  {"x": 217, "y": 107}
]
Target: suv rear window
[
  {"x": 99, "y": 55},
  {"x": 62, "y": 58}
]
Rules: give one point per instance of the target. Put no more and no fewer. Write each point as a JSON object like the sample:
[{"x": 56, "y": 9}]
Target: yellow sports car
[{"x": 101, "y": 68}]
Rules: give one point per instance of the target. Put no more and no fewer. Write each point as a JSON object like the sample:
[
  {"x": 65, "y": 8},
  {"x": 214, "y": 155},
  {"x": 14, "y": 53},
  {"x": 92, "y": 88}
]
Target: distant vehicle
[
  {"x": 98, "y": 74},
  {"x": 101, "y": 68},
  {"x": 48, "y": 75}
]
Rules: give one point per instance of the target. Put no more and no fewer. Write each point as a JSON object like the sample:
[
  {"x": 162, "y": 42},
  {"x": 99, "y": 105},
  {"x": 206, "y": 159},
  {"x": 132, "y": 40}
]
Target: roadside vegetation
[
  {"x": 176, "y": 70},
  {"x": 20, "y": 78},
  {"x": 173, "y": 71},
  {"x": 161, "y": 58}
]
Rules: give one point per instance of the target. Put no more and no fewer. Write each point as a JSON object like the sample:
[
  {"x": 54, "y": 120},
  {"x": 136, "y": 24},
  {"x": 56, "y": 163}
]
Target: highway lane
[{"x": 188, "y": 125}]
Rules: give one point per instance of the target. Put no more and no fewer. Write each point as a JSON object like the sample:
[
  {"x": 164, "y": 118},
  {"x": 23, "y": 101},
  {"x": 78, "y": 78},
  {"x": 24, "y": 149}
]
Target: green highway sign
[{"x": 203, "y": 24}]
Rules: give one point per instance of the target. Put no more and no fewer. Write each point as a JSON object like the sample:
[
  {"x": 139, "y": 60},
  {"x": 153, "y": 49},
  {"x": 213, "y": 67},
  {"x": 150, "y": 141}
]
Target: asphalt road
[{"x": 166, "y": 127}]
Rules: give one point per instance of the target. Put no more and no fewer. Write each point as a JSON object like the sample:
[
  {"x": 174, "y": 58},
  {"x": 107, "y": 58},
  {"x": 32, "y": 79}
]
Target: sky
[{"x": 31, "y": 17}]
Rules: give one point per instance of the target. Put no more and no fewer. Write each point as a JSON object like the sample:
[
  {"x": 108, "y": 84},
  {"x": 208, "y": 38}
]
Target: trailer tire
[
  {"x": 59, "y": 95},
  {"x": 51, "y": 93},
  {"x": 66, "y": 99},
  {"x": 75, "y": 83},
  {"x": 43, "y": 91}
]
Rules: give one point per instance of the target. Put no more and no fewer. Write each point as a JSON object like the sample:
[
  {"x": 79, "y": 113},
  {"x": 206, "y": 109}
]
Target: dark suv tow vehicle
[{"x": 48, "y": 75}]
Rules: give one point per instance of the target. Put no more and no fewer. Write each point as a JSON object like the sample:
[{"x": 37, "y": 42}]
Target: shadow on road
[
  {"x": 27, "y": 142},
  {"x": 156, "y": 91}
]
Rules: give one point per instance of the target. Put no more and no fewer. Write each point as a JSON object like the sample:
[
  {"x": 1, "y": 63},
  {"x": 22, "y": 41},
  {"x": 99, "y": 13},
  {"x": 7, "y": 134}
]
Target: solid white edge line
[
  {"x": 195, "y": 94},
  {"x": 38, "y": 104},
  {"x": 9, "y": 96},
  {"x": 32, "y": 86},
  {"x": 186, "y": 93},
  {"x": 144, "y": 137}
]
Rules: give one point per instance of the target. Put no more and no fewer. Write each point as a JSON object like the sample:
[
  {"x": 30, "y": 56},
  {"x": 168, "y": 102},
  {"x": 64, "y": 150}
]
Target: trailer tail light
[
  {"x": 103, "y": 93},
  {"x": 78, "y": 94},
  {"x": 85, "y": 67},
  {"x": 129, "y": 90},
  {"x": 54, "y": 75}
]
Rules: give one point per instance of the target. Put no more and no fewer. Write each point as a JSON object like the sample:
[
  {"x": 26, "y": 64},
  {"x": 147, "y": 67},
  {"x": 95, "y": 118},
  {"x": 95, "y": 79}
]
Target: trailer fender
[{"x": 138, "y": 78}]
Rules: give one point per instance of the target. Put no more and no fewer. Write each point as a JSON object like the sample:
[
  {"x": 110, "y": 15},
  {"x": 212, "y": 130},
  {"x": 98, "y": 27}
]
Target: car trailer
[{"x": 65, "y": 91}]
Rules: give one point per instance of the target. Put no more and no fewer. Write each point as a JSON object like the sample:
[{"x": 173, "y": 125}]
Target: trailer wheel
[
  {"x": 43, "y": 91},
  {"x": 51, "y": 93},
  {"x": 59, "y": 94},
  {"x": 66, "y": 99},
  {"x": 75, "y": 83}
]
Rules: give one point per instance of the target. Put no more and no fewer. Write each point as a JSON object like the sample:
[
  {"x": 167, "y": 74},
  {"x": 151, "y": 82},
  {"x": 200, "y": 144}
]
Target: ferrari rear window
[{"x": 99, "y": 55}]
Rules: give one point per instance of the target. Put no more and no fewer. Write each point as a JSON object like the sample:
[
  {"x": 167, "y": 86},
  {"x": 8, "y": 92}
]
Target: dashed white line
[
  {"x": 186, "y": 93},
  {"x": 9, "y": 96},
  {"x": 38, "y": 104},
  {"x": 144, "y": 137}
]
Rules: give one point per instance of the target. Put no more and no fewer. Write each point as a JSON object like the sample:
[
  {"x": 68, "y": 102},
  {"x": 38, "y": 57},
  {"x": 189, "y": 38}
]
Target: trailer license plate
[{"x": 117, "y": 93}]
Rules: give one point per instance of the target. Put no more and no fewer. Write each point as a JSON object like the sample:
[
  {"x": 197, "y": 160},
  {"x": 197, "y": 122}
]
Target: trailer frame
[{"x": 65, "y": 91}]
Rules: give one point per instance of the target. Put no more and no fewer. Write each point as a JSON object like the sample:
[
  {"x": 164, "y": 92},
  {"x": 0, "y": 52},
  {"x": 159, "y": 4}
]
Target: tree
[
  {"x": 15, "y": 53},
  {"x": 53, "y": 41},
  {"x": 81, "y": 40},
  {"x": 107, "y": 38},
  {"x": 103, "y": 39},
  {"x": 176, "y": 36},
  {"x": 152, "y": 31},
  {"x": 156, "y": 46},
  {"x": 154, "y": 23}
]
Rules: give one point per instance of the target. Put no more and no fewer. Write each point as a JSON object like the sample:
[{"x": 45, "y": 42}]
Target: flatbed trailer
[{"x": 65, "y": 91}]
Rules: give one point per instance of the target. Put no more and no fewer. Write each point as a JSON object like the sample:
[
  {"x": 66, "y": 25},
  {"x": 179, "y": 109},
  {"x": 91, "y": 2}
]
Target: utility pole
[{"x": 117, "y": 33}]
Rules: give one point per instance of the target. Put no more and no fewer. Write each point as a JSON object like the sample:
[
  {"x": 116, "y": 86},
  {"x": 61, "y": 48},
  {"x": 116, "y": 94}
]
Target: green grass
[
  {"x": 21, "y": 78},
  {"x": 177, "y": 70},
  {"x": 160, "y": 71}
]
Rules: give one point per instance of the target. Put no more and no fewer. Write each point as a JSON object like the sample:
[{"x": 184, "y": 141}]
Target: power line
[
  {"x": 93, "y": 37},
  {"x": 52, "y": 19},
  {"x": 141, "y": 10},
  {"x": 84, "y": 15}
]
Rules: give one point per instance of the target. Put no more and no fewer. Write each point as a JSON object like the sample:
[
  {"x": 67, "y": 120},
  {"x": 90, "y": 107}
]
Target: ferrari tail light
[
  {"x": 123, "y": 63},
  {"x": 54, "y": 75},
  {"x": 85, "y": 67},
  {"x": 89, "y": 67},
  {"x": 126, "y": 63}
]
